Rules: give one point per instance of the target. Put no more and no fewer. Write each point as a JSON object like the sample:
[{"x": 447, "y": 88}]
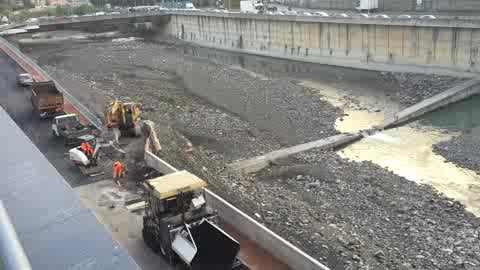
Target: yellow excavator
[{"x": 124, "y": 116}]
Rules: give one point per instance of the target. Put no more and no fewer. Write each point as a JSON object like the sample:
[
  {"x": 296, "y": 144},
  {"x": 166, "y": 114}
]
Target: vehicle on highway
[
  {"x": 24, "y": 79},
  {"x": 190, "y": 6},
  {"x": 101, "y": 13},
  {"x": 428, "y": 17},
  {"x": 32, "y": 20},
  {"x": 115, "y": 13},
  {"x": 70, "y": 128},
  {"x": 381, "y": 16},
  {"x": 363, "y": 15},
  {"x": 291, "y": 12},
  {"x": 180, "y": 225},
  {"x": 306, "y": 14},
  {"x": 46, "y": 99},
  {"x": 404, "y": 16},
  {"x": 279, "y": 13},
  {"x": 321, "y": 13},
  {"x": 343, "y": 15},
  {"x": 251, "y": 6}
]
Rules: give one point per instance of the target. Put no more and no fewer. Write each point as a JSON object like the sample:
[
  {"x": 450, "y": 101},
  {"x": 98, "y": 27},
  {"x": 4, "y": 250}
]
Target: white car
[
  {"x": 321, "y": 13},
  {"x": 291, "y": 12},
  {"x": 381, "y": 16},
  {"x": 115, "y": 13},
  {"x": 307, "y": 14},
  {"x": 343, "y": 15},
  {"x": 404, "y": 16},
  {"x": 363, "y": 15},
  {"x": 279, "y": 13},
  {"x": 101, "y": 13},
  {"x": 428, "y": 17}
]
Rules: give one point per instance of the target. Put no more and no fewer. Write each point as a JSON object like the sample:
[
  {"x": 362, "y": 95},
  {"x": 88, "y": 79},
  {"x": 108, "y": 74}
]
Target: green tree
[
  {"x": 84, "y": 9},
  {"x": 23, "y": 15}
]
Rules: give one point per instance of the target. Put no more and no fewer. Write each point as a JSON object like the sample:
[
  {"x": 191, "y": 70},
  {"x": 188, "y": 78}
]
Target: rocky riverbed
[
  {"x": 413, "y": 88},
  {"x": 346, "y": 214},
  {"x": 462, "y": 150}
]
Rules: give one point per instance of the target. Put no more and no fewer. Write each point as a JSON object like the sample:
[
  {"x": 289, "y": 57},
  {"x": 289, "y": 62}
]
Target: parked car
[
  {"x": 24, "y": 79},
  {"x": 404, "y": 16},
  {"x": 321, "y": 13},
  {"x": 428, "y": 17}
]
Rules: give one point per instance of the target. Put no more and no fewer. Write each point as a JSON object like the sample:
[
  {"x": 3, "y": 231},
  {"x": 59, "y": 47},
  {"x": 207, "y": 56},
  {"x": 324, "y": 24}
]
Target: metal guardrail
[
  {"x": 12, "y": 255},
  {"x": 69, "y": 97}
]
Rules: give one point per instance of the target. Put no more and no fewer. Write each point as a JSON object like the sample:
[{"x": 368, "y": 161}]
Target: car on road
[
  {"x": 321, "y": 13},
  {"x": 427, "y": 17},
  {"x": 306, "y": 14},
  {"x": 381, "y": 16},
  {"x": 404, "y": 16},
  {"x": 24, "y": 79},
  {"x": 343, "y": 15}
]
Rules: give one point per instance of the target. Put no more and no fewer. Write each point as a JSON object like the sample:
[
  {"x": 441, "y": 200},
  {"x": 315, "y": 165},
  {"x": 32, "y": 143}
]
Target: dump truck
[
  {"x": 180, "y": 225},
  {"x": 46, "y": 99},
  {"x": 70, "y": 128}
]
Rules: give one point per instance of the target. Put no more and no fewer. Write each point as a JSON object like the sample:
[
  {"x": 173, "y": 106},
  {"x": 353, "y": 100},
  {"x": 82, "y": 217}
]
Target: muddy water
[{"x": 407, "y": 150}]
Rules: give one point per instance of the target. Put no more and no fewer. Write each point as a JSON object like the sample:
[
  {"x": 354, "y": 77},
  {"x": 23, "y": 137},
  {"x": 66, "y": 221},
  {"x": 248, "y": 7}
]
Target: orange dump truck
[{"x": 46, "y": 99}]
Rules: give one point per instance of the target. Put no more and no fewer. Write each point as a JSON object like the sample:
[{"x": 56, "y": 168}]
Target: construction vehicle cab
[
  {"x": 179, "y": 224},
  {"x": 124, "y": 116},
  {"x": 70, "y": 128}
]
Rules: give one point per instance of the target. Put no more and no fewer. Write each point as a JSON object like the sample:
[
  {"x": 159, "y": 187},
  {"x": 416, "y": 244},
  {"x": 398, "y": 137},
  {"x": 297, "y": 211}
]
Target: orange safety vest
[
  {"x": 84, "y": 148},
  {"x": 89, "y": 149},
  {"x": 117, "y": 169}
]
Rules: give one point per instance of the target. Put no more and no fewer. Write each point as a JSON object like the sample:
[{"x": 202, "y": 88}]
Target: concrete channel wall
[
  {"x": 248, "y": 227},
  {"x": 427, "y": 46},
  {"x": 452, "y": 95}
]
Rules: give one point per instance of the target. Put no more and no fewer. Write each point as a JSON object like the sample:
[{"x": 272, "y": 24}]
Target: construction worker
[
  {"x": 84, "y": 148},
  {"x": 89, "y": 150},
  {"x": 117, "y": 171}
]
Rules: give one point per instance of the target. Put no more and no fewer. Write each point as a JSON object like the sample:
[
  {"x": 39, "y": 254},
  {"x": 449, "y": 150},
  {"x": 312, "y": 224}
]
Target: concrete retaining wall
[
  {"x": 268, "y": 240},
  {"x": 248, "y": 227},
  {"x": 442, "y": 46},
  {"x": 257, "y": 163},
  {"x": 72, "y": 105},
  {"x": 452, "y": 95}
]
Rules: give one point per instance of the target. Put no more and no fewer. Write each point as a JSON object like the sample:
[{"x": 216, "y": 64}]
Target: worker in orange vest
[
  {"x": 117, "y": 171},
  {"x": 89, "y": 150},
  {"x": 84, "y": 148}
]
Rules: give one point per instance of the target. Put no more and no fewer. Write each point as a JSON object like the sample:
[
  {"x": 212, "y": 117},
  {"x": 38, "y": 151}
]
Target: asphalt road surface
[{"x": 16, "y": 101}]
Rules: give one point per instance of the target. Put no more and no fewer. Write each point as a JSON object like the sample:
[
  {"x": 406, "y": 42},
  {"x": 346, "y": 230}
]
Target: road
[
  {"x": 123, "y": 226},
  {"x": 16, "y": 101}
]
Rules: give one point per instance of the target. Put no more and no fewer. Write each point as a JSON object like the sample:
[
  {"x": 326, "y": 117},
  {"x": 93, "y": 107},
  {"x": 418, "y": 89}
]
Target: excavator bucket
[{"x": 216, "y": 250}]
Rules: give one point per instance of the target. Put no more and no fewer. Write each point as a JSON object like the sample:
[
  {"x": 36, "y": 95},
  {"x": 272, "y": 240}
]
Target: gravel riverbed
[
  {"x": 462, "y": 150},
  {"x": 346, "y": 214}
]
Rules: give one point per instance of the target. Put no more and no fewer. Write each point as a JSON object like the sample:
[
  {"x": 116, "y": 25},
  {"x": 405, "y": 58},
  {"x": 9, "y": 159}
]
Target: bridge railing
[{"x": 12, "y": 255}]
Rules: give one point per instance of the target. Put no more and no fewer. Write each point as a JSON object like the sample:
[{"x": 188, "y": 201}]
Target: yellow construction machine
[{"x": 124, "y": 116}]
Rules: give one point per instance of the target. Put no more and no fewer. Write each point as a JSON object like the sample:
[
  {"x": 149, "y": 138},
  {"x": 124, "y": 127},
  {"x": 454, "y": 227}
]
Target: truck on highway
[
  {"x": 70, "y": 128},
  {"x": 46, "y": 99},
  {"x": 251, "y": 6}
]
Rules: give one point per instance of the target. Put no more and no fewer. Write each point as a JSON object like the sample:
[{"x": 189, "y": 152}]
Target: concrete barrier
[
  {"x": 265, "y": 238},
  {"x": 71, "y": 105},
  {"x": 452, "y": 95},
  {"x": 158, "y": 164},
  {"x": 257, "y": 163}
]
